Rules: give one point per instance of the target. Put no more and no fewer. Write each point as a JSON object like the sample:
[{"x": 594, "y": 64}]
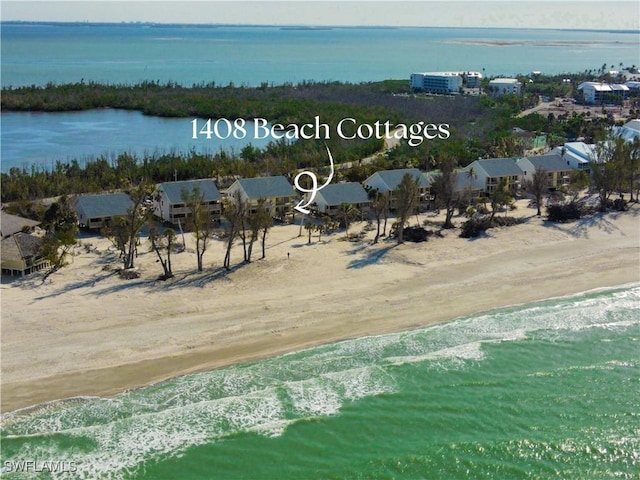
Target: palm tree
[
  {"x": 538, "y": 185},
  {"x": 379, "y": 207},
  {"x": 347, "y": 213},
  {"x": 309, "y": 227}
]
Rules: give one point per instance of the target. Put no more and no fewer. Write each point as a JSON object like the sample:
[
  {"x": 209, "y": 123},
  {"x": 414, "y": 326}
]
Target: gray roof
[
  {"x": 266, "y": 187},
  {"x": 20, "y": 246},
  {"x": 337, "y": 193},
  {"x": 174, "y": 189},
  {"x": 104, "y": 205},
  {"x": 10, "y": 224},
  {"x": 499, "y": 167},
  {"x": 551, "y": 162},
  {"x": 392, "y": 178}
]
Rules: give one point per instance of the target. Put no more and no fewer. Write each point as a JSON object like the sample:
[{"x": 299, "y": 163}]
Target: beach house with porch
[
  {"x": 490, "y": 172},
  {"x": 10, "y": 224},
  {"x": 169, "y": 200},
  {"x": 98, "y": 211},
  {"x": 21, "y": 254},
  {"x": 558, "y": 171},
  {"x": 388, "y": 181},
  {"x": 278, "y": 194},
  {"x": 329, "y": 199}
]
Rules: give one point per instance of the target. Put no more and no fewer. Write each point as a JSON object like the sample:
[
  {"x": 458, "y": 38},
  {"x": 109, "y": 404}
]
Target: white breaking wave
[{"x": 266, "y": 397}]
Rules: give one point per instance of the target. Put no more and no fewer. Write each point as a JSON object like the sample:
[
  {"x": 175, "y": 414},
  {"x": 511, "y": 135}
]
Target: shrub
[
  {"x": 474, "y": 227},
  {"x": 416, "y": 234},
  {"x": 564, "y": 212}
]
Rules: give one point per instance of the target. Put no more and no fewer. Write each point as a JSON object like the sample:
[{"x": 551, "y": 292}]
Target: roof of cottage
[{"x": 174, "y": 190}]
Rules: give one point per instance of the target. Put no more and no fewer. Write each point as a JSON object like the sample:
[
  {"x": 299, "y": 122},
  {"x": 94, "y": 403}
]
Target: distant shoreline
[{"x": 296, "y": 27}]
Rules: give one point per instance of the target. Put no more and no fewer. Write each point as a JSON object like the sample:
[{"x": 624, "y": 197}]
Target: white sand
[{"x": 87, "y": 332}]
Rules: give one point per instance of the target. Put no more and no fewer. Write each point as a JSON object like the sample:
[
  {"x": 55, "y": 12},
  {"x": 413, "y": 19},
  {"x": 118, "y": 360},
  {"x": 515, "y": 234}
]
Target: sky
[{"x": 585, "y": 14}]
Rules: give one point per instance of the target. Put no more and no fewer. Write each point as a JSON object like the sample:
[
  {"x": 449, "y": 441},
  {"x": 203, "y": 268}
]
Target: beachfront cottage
[
  {"x": 329, "y": 199},
  {"x": 490, "y": 172},
  {"x": 557, "y": 168},
  {"x": 169, "y": 203},
  {"x": 387, "y": 181},
  {"x": 97, "y": 211},
  {"x": 10, "y": 224},
  {"x": 278, "y": 194},
  {"x": 21, "y": 254}
]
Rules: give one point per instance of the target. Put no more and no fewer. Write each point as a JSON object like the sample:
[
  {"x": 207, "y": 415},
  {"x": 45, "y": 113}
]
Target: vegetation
[
  {"x": 609, "y": 166},
  {"x": 406, "y": 198},
  {"x": 124, "y": 231},
  {"x": 234, "y": 210},
  {"x": 564, "y": 212},
  {"x": 380, "y": 209},
  {"x": 163, "y": 241},
  {"x": 444, "y": 188},
  {"x": 199, "y": 222},
  {"x": 61, "y": 225},
  {"x": 538, "y": 186},
  {"x": 478, "y": 128}
]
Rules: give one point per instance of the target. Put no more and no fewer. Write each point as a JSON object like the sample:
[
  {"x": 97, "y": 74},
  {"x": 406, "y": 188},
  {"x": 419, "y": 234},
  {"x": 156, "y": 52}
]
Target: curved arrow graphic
[{"x": 301, "y": 206}]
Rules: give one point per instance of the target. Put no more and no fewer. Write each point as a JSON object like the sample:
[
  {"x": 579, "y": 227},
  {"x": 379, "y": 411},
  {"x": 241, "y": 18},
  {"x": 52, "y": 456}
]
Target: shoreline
[
  {"x": 63, "y": 347},
  {"x": 207, "y": 367}
]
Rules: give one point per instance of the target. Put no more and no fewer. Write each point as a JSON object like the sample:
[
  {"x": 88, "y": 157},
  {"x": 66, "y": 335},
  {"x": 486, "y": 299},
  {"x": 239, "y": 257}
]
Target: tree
[
  {"x": 347, "y": 212},
  {"x": 265, "y": 225},
  {"x": 607, "y": 167},
  {"x": 500, "y": 196},
  {"x": 444, "y": 189},
  {"x": 200, "y": 221},
  {"x": 379, "y": 207},
  {"x": 163, "y": 241},
  {"x": 61, "y": 224},
  {"x": 538, "y": 186},
  {"x": 257, "y": 222},
  {"x": 124, "y": 231},
  {"x": 309, "y": 227},
  {"x": 633, "y": 168},
  {"x": 406, "y": 202},
  {"x": 234, "y": 209}
]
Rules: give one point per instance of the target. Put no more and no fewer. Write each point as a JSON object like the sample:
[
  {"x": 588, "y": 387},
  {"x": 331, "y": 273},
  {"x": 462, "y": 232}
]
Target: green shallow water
[{"x": 548, "y": 390}]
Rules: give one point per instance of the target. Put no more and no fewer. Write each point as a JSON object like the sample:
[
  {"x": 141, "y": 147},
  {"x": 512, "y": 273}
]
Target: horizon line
[{"x": 303, "y": 26}]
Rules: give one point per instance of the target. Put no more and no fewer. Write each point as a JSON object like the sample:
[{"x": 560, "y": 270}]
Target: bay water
[{"x": 37, "y": 54}]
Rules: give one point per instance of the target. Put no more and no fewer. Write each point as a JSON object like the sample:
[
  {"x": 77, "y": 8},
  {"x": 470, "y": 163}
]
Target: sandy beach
[{"x": 86, "y": 332}]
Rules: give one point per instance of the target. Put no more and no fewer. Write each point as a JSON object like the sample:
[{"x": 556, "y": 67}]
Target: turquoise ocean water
[
  {"x": 37, "y": 54},
  {"x": 540, "y": 391}
]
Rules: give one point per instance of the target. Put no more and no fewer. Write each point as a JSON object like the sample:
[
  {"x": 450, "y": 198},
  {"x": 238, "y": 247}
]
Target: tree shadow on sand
[
  {"x": 602, "y": 221},
  {"x": 371, "y": 257}
]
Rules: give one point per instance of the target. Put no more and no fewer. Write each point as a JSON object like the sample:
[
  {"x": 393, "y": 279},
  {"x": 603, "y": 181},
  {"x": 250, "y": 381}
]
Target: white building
[
  {"x": 629, "y": 131},
  {"x": 597, "y": 92},
  {"x": 474, "y": 79},
  {"x": 437, "y": 82},
  {"x": 578, "y": 155},
  {"x": 503, "y": 86}
]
